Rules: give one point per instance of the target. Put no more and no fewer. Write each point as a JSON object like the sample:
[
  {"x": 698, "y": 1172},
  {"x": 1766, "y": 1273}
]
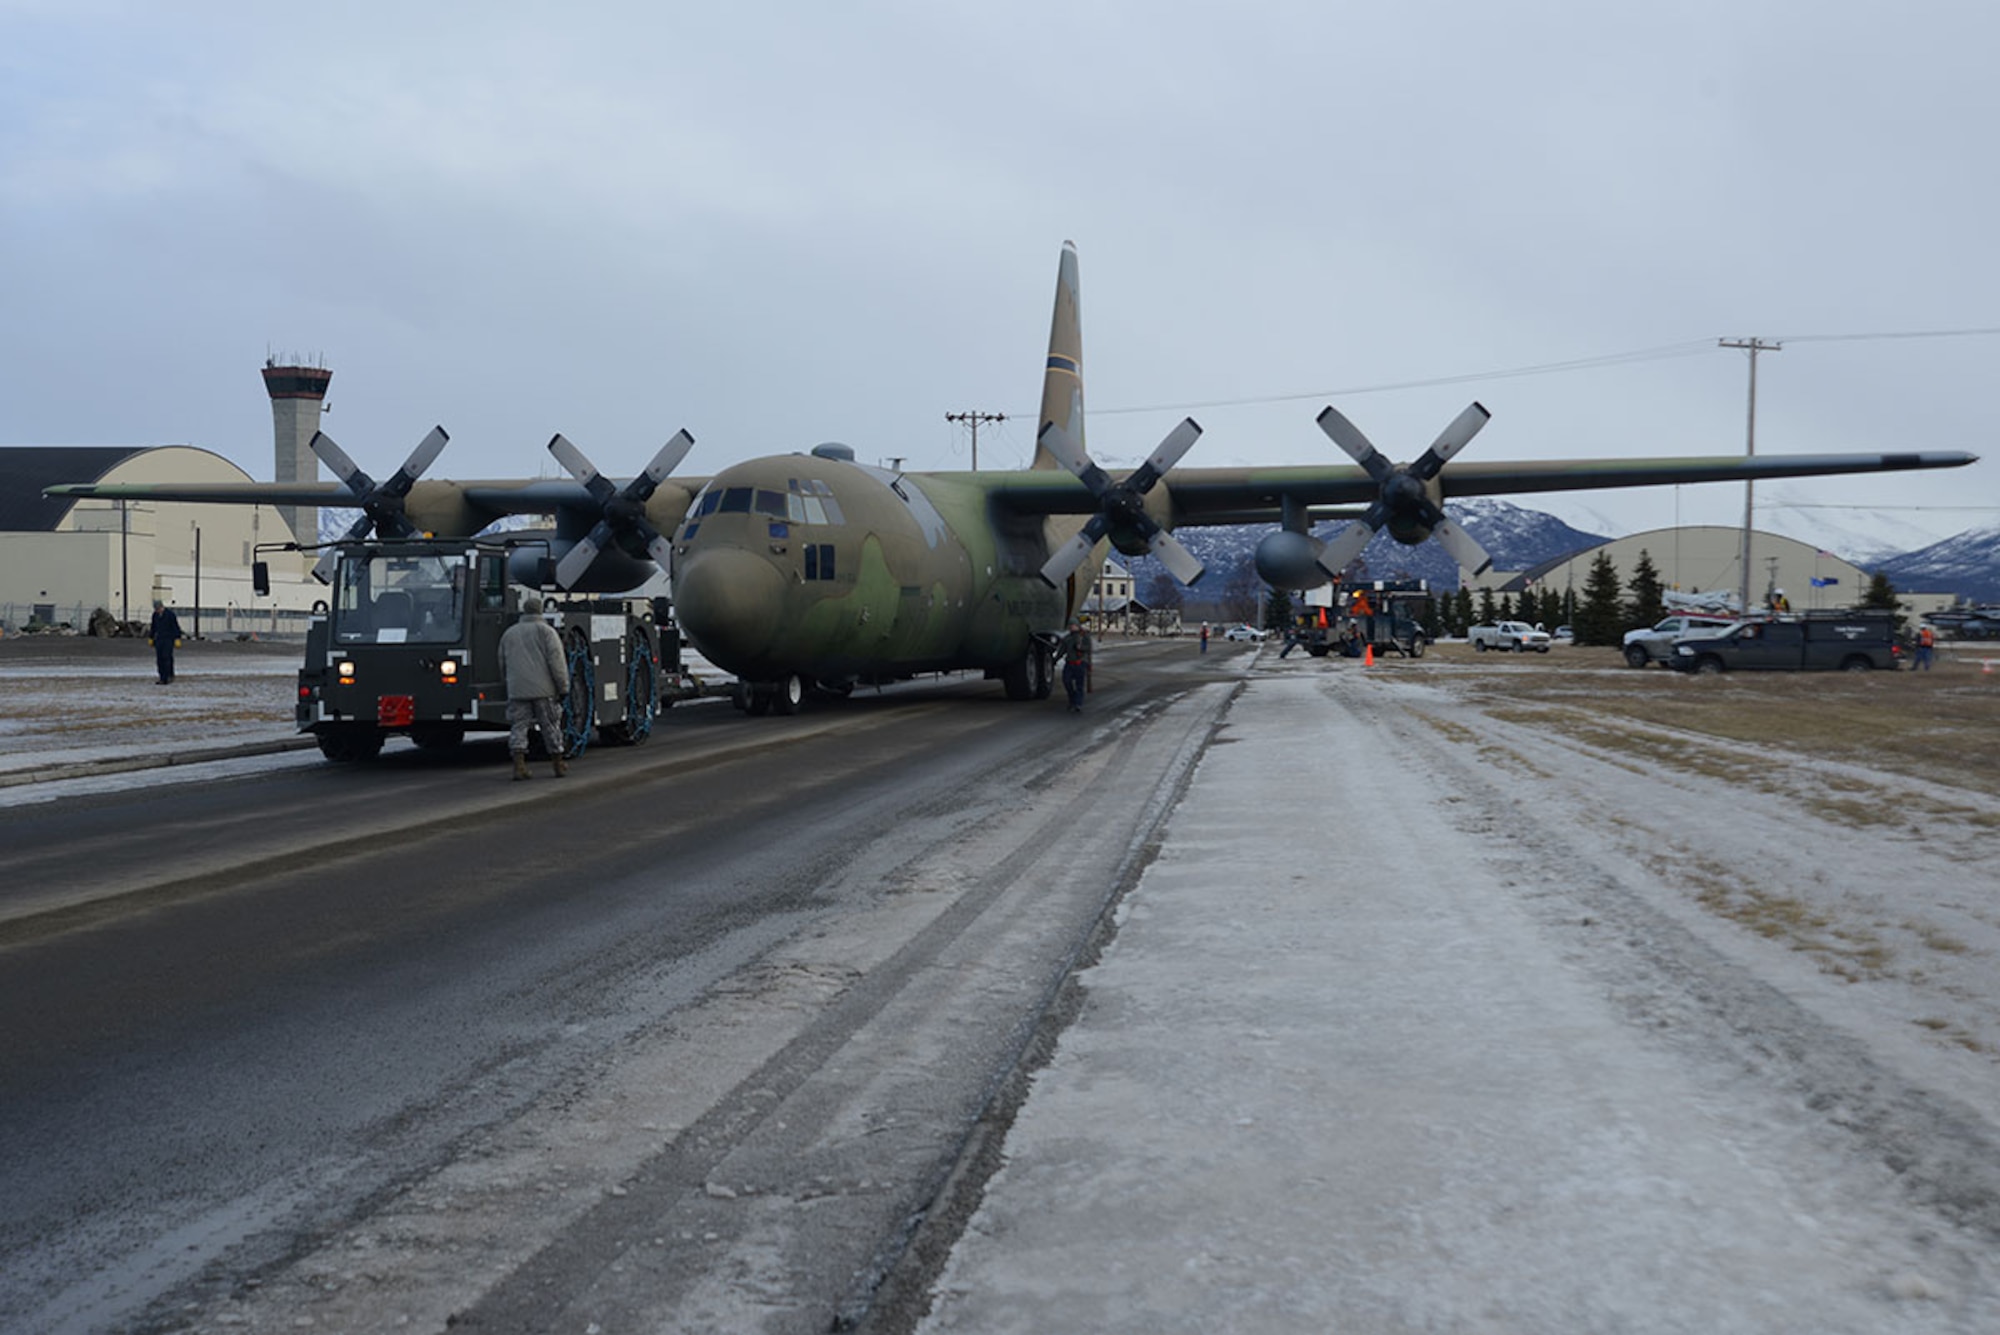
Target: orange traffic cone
[{"x": 1368, "y": 656}]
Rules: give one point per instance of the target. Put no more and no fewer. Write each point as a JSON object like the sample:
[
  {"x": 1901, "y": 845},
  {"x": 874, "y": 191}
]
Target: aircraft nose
[{"x": 728, "y": 602}]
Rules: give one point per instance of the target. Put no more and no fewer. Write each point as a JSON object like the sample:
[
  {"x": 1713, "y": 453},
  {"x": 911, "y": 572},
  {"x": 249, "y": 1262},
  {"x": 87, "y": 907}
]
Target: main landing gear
[
  {"x": 783, "y": 696},
  {"x": 1032, "y": 675}
]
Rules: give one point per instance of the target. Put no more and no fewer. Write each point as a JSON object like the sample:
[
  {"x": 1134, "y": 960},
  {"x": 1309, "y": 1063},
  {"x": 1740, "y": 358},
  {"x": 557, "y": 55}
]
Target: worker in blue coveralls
[{"x": 165, "y": 633}]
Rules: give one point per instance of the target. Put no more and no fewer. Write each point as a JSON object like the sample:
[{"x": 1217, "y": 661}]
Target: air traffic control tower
[{"x": 296, "y": 395}]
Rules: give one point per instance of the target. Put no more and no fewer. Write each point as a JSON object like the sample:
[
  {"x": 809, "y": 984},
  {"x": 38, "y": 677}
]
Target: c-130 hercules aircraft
[{"x": 814, "y": 570}]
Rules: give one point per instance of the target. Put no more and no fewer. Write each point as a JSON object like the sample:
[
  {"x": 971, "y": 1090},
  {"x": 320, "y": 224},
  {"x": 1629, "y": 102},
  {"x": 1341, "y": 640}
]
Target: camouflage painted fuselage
[{"x": 842, "y": 572}]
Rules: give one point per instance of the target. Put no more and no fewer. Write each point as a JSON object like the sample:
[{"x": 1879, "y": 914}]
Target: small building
[
  {"x": 1705, "y": 558},
  {"x": 1113, "y": 604},
  {"x": 62, "y": 559}
]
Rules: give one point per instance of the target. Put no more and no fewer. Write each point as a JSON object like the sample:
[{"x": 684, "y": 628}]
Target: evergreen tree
[
  {"x": 1599, "y": 618},
  {"x": 1881, "y": 597},
  {"x": 1278, "y": 610},
  {"x": 1461, "y": 610},
  {"x": 1646, "y": 605},
  {"x": 1506, "y": 607},
  {"x": 1486, "y": 609},
  {"x": 1552, "y": 609},
  {"x": 1568, "y": 608}
]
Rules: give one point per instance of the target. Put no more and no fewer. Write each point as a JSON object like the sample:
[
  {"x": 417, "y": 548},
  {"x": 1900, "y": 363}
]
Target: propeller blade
[
  {"x": 422, "y": 457},
  {"x": 1450, "y": 441},
  {"x": 1177, "y": 443},
  {"x": 1358, "y": 447},
  {"x": 661, "y": 551},
  {"x": 1073, "y": 553},
  {"x": 323, "y": 568},
  {"x": 1068, "y": 453},
  {"x": 580, "y": 468},
  {"x": 1463, "y": 548},
  {"x": 341, "y": 466},
  {"x": 664, "y": 463},
  {"x": 578, "y": 559},
  {"x": 1345, "y": 545},
  {"x": 1183, "y": 564}
]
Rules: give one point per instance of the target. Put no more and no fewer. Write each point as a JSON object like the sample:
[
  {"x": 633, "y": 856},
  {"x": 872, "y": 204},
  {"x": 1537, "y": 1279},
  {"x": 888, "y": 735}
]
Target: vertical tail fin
[{"x": 1062, "y": 382}]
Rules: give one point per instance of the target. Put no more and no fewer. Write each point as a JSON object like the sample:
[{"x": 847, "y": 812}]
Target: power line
[
  {"x": 1664, "y": 352},
  {"x": 974, "y": 418}
]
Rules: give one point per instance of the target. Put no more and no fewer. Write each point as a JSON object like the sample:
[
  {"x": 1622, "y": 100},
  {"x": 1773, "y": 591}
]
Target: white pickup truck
[
  {"x": 1516, "y": 635},
  {"x": 1655, "y": 644}
]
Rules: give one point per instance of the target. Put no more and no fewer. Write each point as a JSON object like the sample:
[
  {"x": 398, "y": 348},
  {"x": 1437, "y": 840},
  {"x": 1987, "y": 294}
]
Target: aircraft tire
[
  {"x": 757, "y": 700},
  {"x": 1044, "y": 672},
  {"x": 1019, "y": 676},
  {"x": 788, "y": 693}
]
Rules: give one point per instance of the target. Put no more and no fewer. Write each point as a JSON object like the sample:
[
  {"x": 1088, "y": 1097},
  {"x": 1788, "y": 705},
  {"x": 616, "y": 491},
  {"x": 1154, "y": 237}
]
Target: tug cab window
[{"x": 400, "y": 599}]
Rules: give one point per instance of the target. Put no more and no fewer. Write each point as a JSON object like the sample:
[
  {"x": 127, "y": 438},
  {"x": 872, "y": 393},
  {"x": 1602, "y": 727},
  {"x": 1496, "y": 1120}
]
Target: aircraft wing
[
  {"x": 449, "y": 509},
  {"x": 1208, "y": 496}
]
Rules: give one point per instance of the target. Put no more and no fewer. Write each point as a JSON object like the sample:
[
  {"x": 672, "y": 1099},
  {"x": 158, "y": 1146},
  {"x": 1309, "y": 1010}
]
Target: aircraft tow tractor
[{"x": 408, "y": 643}]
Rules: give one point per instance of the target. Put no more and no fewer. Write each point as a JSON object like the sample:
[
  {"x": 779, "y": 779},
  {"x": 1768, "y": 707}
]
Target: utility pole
[
  {"x": 1753, "y": 346},
  {"x": 974, "y": 418}
]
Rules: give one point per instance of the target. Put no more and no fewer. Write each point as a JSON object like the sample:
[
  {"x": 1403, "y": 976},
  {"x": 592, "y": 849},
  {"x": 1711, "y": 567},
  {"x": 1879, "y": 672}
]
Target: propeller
[
  {"x": 1406, "y": 503},
  {"x": 381, "y": 502},
  {"x": 624, "y": 509},
  {"x": 1121, "y": 505}
]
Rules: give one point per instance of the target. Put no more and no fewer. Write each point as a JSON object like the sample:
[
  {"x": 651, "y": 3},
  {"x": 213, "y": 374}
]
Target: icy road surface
[{"x": 1434, "y": 1016}]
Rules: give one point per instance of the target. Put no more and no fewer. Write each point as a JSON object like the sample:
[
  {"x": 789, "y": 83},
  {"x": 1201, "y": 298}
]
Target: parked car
[
  {"x": 1563, "y": 635},
  {"x": 1516, "y": 635},
  {"x": 1655, "y": 644},
  {"x": 1244, "y": 633},
  {"x": 1822, "y": 642}
]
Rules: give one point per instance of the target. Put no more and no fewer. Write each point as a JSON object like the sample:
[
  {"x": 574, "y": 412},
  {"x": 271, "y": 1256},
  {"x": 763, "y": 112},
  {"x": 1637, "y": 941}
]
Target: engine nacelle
[{"x": 1287, "y": 560}]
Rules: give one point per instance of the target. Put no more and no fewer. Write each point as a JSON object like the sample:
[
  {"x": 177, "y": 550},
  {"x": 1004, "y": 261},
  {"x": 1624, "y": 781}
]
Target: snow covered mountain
[
  {"x": 1967, "y": 565},
  {"x": 1516, "y": 538}
]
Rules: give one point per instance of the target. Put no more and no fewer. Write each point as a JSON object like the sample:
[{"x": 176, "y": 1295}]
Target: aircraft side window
[
  {"x": 736, "y": 500},
  {"x": 812, "y": 560},
  {"x": 687, "y": 534},
  {"x": 709, "y": 500},
  {"x": 771, "y": 503},
  {"x": 826, "y": 560},
  {"x": 815, "y": 509}
]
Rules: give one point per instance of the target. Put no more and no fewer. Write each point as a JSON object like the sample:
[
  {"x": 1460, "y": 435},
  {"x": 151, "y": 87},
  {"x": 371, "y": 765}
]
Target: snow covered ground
[
  {"x": 1453, "y": 1006},
  {"x": 78, "y": 702},
  {"x": 1436, "y": 1014}
]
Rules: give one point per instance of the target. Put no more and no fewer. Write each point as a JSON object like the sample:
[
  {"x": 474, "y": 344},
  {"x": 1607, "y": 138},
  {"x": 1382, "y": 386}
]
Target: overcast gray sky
[{"x": 777, "y": 224}]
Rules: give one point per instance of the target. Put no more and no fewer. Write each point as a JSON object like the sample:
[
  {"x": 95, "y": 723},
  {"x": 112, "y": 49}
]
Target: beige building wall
[
  {"x": 121, "y": 555},
  {"x": 1707, "y": 558}
]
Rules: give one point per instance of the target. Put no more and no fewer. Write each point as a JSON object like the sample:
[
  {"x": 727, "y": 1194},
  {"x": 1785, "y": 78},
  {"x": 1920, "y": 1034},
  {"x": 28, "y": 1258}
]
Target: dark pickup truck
[{"x": 1819, "y": 642}]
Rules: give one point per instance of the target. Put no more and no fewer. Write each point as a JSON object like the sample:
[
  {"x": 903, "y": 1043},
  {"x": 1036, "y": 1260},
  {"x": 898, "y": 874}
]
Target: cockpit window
[
  {"x": 736, "y": 500},
  {"x": 771, "y": 503}
]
